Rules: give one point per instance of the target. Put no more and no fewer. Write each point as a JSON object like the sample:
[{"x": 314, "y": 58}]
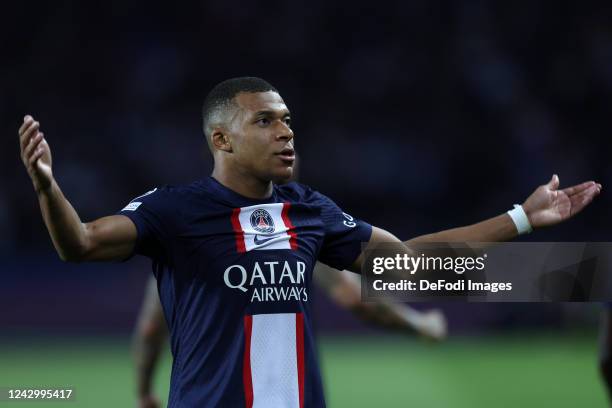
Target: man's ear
[{"x": 220, "y": 140}]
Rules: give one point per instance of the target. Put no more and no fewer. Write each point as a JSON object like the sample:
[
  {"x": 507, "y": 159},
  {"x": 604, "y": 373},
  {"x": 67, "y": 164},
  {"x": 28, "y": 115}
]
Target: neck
[{"x": 242, "y": 182}]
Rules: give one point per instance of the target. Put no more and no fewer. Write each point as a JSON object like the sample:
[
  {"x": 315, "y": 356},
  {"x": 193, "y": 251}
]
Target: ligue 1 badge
[{"x": 261, "y": 221}]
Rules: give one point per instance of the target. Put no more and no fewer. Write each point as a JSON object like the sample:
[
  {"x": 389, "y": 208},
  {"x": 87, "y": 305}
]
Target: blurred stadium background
[{"x": 427, "y": 114}]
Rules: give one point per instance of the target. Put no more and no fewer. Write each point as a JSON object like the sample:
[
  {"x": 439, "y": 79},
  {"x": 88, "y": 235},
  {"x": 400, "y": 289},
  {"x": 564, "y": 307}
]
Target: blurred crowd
[{"x": 414, "y": 115}]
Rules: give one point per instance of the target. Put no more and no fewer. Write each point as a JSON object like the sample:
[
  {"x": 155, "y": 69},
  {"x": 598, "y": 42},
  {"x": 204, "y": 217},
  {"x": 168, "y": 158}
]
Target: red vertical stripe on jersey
[
  {"x": 287, "y": 221},
  {"x": 246, "y": 363},
  {"x": 299, "y": 346},
  {"x": 238, "y": 231}
]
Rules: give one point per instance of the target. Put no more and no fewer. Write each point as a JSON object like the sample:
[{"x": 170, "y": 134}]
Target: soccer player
[
  {"x": 342, "y": 286},
  {"x": 234, "y": 252}
]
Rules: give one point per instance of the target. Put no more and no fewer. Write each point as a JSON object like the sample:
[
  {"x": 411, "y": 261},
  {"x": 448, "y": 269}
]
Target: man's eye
[
  {"x": 263, "y": 122},
  {"x": 288, "y": 121}
]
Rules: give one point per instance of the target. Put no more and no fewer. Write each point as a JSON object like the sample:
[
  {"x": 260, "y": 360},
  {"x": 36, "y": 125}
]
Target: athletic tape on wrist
[{"x": 520, "y": 219}]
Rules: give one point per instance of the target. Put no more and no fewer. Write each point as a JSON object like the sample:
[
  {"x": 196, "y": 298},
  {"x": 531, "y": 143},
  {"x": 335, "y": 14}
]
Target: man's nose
[{"x": 284, "y": 132}]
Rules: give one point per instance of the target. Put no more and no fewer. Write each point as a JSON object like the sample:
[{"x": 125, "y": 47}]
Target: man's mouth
[{"x": 287, "y": 155}]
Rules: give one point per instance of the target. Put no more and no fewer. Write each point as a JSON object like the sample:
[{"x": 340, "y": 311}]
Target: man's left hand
[{"x": 549, "y": 206}]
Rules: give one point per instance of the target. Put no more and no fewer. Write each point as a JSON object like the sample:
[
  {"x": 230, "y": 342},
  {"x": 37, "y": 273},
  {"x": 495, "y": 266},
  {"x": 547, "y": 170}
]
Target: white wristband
[{"x": 519, "y": 217}]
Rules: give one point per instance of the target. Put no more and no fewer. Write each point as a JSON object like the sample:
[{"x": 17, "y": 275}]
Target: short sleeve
[
  {"x": 151, "y": 213},
  {"x": 344, "y": 234}
]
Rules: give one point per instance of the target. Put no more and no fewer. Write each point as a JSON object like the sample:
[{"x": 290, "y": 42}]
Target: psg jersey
[{"x": 234, "y": 277}]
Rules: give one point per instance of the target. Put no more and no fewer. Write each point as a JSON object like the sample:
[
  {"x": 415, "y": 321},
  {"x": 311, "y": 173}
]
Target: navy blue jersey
[{"x": 234, "y": 277}]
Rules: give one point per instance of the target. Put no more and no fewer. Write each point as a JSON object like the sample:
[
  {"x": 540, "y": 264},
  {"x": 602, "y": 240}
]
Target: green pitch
[{"x": 522, "y": 371}]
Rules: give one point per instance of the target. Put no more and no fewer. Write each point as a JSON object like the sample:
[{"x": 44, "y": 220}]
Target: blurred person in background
[{"x": 605, "y": 348}]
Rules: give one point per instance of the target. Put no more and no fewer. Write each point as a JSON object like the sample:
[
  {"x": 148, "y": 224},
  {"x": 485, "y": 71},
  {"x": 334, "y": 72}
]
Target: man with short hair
[{"x": 234, "y": 253}]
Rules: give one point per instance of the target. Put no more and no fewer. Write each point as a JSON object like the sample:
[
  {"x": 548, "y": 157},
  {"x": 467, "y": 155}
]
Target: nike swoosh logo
[{"x": 259, "y": 241}]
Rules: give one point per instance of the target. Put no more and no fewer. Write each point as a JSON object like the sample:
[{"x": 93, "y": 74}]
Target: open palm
[
  {"x": 549, "y": 206},
  {"x": 35, "y": 153}
]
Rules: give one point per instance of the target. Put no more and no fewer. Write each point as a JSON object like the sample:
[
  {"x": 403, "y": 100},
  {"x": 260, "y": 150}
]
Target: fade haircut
[{"x": 221, "y": 97}]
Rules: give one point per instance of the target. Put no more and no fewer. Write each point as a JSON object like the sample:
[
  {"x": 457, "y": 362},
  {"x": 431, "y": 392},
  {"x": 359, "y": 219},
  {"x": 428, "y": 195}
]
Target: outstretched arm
[
  {"x": 149, "y": 337},
  {"x": 108, "y": 238},
  {"x": 546, "y": 206},
  {"x": 345, "y": 289}
]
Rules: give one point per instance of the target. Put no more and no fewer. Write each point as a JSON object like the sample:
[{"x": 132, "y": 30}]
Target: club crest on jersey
[
  {"x": 263, "y": 227},
  {"x": 262, "y": 221}
]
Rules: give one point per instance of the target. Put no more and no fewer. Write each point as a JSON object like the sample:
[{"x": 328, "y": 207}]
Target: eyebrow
[{"x": 272, "y": 113}]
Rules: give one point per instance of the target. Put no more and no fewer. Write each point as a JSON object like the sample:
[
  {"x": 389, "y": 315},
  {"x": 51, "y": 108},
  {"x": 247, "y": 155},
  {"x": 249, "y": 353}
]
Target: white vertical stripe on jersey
[{"x": 274, "y": 365}]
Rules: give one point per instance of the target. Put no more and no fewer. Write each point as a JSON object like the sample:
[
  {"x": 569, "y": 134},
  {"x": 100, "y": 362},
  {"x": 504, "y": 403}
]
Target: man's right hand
[
  {"x": 107, "y": 238},
  {"x": 35, "y": 154},
  {"x": 432, "y": 325}
]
